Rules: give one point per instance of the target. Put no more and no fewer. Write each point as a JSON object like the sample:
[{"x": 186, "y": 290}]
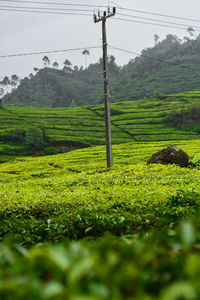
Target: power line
[
  {"x": 160, "y": 15},
  {"x": 149, "y": 23},
  {"x": 44, "y": 12},
  {"x": 86, "y": 10},
  {"x": 48, "y": 52},
  {"x": 84, "y": 14},
  {"x": 45, "y": 8},
  {"x": 102, "y": 6},
  {"x": 167, "y": 22},
  {"x": 53, "y": 3}
]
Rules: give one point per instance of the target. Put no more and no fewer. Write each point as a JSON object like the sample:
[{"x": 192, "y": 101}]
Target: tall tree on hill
[
  {"x": 14, "y": 80},
  {"x": 86, "y": 53},
  {"x": 46, "y": 61},
  {"x": 191, "y": 31},
  {"x": 55, "y": 65},
  {"x": 35, "y": 70},
  {"x": 1, "y": 92},
  {"x": 156, "y": 39},
  {"x": 5, "y": 82},
  {"x": 113, "y": 68},
  {"x": 67, "y": 66}
]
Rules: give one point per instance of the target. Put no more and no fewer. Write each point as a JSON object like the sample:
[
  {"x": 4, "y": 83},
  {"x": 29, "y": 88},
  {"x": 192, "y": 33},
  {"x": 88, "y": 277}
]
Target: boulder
[{"x": 170, "y": 155}]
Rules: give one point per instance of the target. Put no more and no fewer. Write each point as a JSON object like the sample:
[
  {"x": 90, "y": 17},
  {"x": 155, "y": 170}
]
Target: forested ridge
[{"x": 171, "y": 66}]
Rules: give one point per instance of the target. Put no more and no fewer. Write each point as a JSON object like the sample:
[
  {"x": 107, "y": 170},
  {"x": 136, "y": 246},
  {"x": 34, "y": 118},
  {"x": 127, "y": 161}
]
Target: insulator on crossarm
[
  {"x": 114, "y": 10},
  {"x": 95, "y": 18}
]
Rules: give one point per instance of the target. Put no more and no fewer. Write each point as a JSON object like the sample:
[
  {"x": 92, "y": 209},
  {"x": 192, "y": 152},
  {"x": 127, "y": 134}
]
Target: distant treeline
[{"x": 171, "y": 66}]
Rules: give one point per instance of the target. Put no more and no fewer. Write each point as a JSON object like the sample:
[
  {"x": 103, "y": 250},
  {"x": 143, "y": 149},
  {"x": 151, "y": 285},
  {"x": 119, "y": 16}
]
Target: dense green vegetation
[
  {"x": 163, "y": 265},
  {"x": 73, "y": 195},
  {"x": 69, "y": 128},
  {"x": 171, "y": 66}
]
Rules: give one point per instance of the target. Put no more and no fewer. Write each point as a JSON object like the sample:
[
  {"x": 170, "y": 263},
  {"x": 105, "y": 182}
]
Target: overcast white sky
[{"x": 31, "y": 32}]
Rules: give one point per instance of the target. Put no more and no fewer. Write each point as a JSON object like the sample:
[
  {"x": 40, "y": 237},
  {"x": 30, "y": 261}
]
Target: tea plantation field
[
  {"x": 74, "y": 195},
  {"x": 133, "y": 121},
  {"x": 71, "y": 229},
  {"x": 131, "y": 245},
  {"x": 107, "y": 234}
]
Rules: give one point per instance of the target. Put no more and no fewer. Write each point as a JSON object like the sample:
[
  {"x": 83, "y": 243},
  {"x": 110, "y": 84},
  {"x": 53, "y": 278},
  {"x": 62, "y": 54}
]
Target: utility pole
[{"x": 106, "y": 15}]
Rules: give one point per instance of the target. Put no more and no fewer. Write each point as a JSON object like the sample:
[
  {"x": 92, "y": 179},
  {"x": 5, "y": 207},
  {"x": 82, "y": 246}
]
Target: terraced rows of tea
[{"x": 141, "y": 120}]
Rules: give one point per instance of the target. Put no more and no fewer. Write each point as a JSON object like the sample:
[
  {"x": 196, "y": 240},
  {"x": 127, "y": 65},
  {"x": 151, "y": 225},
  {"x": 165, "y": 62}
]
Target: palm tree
[
  {"x": 1, "y": 92},
  {"x": 5, "y": 82},
  {"x": 35, "y": 70},
  {"x": 191, "y": 31},
  {"x": 46, "y": 61},
  {"x": 156, "y": 39},
  {"x": 67, "y": 66},
  {"x": 55, "y": 65},
  {"x": 86, "y": 53},
  {"x": 14, "y": 80}
]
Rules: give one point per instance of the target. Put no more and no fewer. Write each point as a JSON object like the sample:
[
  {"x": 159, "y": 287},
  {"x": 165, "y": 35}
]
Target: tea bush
[
  {"x": 73, "y": 195},
  {"x": 162, "y": 265}
]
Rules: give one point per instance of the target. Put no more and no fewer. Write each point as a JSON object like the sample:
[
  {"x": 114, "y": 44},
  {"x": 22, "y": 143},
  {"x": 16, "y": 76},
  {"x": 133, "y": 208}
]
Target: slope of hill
[
  {"x": 142, "y": 120},
  {"x": 169, "y": 67}
]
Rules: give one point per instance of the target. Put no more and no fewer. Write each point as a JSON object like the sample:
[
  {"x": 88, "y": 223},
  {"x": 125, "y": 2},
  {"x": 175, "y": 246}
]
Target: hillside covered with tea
[{"x": 27, "y": 130}]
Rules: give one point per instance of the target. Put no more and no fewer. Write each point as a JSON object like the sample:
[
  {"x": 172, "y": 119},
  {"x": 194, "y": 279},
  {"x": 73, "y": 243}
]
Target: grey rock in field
[{"x": 170, "y": 155}]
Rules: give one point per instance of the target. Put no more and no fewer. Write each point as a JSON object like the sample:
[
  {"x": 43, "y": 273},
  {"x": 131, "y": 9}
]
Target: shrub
[
  {"x": 162, "y": 265},
  {"x": 159, "y": 96},
  {"x": 182, "y": 116},
  {"x": 18, "y": 135},
  {"x": 35, "y": 139}
]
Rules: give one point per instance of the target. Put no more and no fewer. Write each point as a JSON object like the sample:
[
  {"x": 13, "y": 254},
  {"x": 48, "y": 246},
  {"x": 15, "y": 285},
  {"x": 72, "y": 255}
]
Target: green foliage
[
  {"x": 35, "y": 139},
  {"x": 73, "y": 104},
  {"x": 73, "y": 195},
  {"x": 18, "y": 135},
  {"x": 185, "y": 115},
  {"x": 161, "y": 265},
  {"x": 159, "y": 96}
]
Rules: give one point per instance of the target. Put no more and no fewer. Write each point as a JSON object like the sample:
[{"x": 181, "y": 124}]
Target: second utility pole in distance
[{"x": 103, "y": 19}]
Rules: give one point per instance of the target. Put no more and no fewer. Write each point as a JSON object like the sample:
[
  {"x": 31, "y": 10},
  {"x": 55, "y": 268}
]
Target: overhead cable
[
  {"x": 103, "y": 6},
  {"x": 44, "y": 8},
  {"x": 54, "y": 3},
  {"x": 167, "y": 22},
  {"x": 154, "y": 24},
  {"x": 87, "y": 10},
  {"x": 47, "y": 52},
  {"x": 160, "y": 15},
  {"x": 44, "y": 12}
]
